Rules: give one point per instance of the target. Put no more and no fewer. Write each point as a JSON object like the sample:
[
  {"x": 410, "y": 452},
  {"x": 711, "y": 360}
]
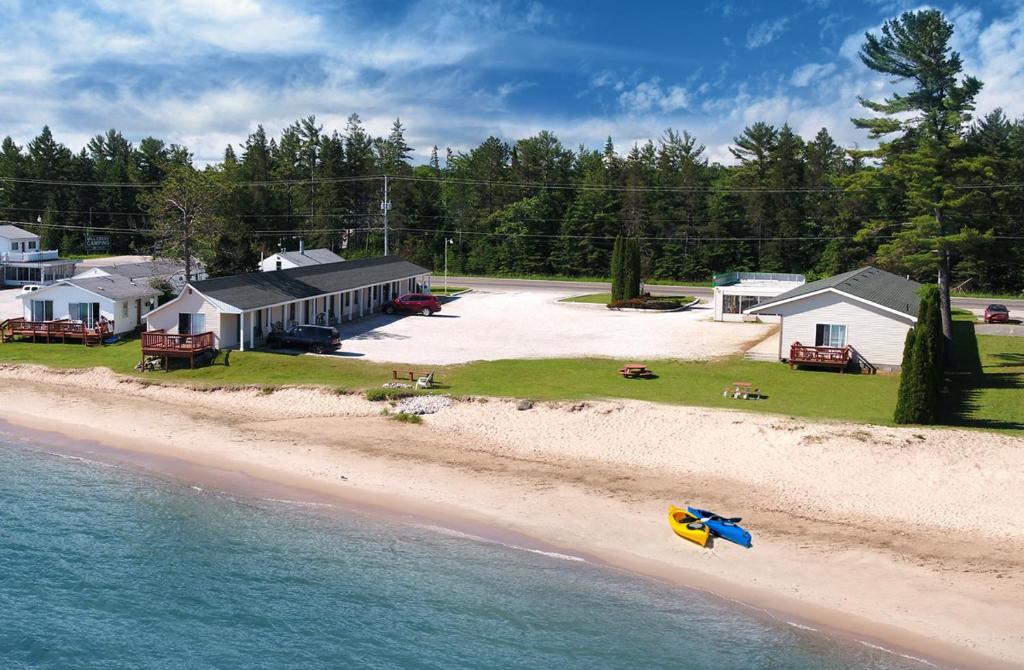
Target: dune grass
[{"x": 988, "y": 386}]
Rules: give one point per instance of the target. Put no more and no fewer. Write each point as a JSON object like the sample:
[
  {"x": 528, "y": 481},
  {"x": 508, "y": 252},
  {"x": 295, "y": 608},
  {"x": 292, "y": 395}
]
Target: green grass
[
  {"x": 605, "y": 298},
  {"x": 440, "y": 290},
  {"x": 590, "y": 298},
  {"x": 988, "y": 386},
  {"x": 558, "y": 277},
  {"x": 987, "y": 381}
]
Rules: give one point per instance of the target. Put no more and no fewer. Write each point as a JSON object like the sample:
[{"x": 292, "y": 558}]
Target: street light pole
[{"x": 447, "y": 241}]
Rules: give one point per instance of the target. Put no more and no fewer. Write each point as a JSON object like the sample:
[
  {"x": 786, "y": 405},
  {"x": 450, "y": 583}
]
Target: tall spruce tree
[{"x": 618, "y": 269}]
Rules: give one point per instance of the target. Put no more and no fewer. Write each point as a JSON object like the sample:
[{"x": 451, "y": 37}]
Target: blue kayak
[{"x": 722, "y": 527}]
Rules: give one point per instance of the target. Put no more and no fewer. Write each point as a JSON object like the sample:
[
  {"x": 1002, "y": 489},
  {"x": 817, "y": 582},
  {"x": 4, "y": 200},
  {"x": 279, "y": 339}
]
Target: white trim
[
  {"x": 830, "y": 289},
  {"x": 238, "y": 310}
]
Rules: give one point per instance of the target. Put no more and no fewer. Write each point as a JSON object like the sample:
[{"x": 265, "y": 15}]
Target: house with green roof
[{"x": 864, "y": 314}]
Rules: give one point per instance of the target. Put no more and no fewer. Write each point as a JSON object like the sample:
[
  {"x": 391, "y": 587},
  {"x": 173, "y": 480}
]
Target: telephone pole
[{"x": 385, "y": 206}]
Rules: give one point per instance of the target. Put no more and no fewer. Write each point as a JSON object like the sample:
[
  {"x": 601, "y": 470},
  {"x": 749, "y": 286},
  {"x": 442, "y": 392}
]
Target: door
[{"x": 138, "y": 312}]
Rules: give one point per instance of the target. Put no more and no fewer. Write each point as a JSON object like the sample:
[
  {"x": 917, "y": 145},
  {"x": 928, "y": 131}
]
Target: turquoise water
[{"x": 102, "y": 567}]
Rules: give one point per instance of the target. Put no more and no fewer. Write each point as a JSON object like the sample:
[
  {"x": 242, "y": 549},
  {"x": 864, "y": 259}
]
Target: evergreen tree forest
[{"x": 537, "y": 207}]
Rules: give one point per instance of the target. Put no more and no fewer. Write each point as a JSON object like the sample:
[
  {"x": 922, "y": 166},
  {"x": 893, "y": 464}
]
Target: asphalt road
[{"x": 976, "y": 305}]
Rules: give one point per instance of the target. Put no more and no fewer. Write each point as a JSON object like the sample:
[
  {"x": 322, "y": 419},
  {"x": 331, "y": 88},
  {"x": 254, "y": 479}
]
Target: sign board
[{"x": 97, "y": 243}]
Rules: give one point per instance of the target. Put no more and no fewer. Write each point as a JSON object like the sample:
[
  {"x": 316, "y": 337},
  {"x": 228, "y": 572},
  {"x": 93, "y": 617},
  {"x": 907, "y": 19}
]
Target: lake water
[{"x": 107, "y": 567}]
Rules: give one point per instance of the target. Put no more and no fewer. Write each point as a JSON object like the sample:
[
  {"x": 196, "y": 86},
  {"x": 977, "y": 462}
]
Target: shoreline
[{"x": 392, "y": 468}]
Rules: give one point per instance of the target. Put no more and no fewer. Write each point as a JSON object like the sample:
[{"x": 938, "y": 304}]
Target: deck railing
[
  {"x": 62, "y": 329},
  {"x": 800, "y": 354},
  {"x": 159, "y": 342}
]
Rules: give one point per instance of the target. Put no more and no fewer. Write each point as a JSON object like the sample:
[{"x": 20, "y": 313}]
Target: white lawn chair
[{"x": 425, "y": 382}]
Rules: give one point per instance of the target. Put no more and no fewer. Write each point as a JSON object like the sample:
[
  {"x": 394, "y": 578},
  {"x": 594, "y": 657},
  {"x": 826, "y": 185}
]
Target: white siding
[
  {"x": 62, "y": 295},
  {"x": 269, "y": 264},
  {"x": 166, "y": 318},
  {"x": 876, "y": 335}
]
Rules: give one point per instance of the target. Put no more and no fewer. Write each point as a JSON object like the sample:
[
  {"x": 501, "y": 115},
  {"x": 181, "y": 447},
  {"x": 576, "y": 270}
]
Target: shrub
[
  {"x": 377, "y": 395},
  {"x": 661, "y": 303},
  {"x": 921, "y": 377},
  {"x": 405, "y": 417}
]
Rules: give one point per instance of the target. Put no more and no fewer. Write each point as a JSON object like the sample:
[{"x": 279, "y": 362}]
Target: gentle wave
[
  {"x": 81, "y": 459},
  {"x": 897, "y": 653},
  {"x": 297, "y": 503},
  {"x": 801, "y": 626},
  {"x": 451, "y": 532}
]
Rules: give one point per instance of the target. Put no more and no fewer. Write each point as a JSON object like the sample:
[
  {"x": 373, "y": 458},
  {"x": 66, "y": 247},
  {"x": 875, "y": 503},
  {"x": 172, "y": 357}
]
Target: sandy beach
[{"x": 908, "y": 539}]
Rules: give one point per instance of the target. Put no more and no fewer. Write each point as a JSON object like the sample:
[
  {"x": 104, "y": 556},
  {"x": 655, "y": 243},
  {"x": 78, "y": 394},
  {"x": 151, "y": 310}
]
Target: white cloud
[
  {"x": 811, "y": 72},
  {"x": 764, "y": 33}
]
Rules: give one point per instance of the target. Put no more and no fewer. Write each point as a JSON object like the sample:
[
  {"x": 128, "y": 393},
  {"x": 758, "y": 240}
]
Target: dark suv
[
  {"x": 417, "y": 303},
  {"x": 318, "y": 339}
]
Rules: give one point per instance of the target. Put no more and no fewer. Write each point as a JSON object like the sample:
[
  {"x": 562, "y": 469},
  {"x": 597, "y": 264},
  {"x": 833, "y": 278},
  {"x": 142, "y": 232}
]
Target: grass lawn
[
  {"x": 988, "y": 387},
  {"x": 556, "y": 277},
  {"x": 605, "y": 298},
  {"x": 440, "y": 290}
]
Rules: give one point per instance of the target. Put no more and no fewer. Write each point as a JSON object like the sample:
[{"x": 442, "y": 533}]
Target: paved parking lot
[
  {"x": 491, "y": 325},
  {"x": 10, "y": 306}
]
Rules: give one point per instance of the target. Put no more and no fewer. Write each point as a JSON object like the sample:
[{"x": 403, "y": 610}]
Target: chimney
[{"x": 302, "y": 246}]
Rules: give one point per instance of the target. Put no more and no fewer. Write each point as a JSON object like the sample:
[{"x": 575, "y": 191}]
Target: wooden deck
[
  {"x": 172, "y": 345},
  {"x": 60, "y": 330},
  {"x": 831, "y": 357}
]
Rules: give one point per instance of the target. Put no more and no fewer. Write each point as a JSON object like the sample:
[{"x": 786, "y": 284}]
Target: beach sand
[{"x": 907, "y": 538}]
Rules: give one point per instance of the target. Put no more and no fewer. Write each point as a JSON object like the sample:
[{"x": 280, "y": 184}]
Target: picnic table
[
  {"x": 636, "y": 371},
  {"x": 744, "y": 390}
]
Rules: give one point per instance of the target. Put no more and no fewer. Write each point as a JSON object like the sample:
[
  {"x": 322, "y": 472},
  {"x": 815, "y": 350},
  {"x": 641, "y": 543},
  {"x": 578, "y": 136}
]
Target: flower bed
[{"x": 653, "y": 303}]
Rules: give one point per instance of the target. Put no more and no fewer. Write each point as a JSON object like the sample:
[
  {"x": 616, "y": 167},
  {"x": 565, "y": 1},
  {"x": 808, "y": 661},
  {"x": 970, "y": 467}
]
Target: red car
[
  {"x": 997, "y": 314},
  {"x": 417, "y": 303}
]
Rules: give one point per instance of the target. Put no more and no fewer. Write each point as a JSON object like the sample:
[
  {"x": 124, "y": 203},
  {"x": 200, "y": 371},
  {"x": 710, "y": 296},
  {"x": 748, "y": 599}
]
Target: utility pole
[
  {"x": 447, "y": 241},
  {"x": 385, "y": 206}
]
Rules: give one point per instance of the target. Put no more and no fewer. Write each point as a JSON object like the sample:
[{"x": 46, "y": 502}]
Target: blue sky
[{"x": 205, "y": 72}]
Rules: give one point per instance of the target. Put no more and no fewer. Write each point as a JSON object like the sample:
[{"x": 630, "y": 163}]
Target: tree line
[{"x": 942, "y": 193}]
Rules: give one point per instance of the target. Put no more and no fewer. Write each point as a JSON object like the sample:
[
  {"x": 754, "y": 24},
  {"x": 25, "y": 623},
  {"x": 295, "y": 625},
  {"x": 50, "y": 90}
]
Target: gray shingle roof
[
  {"x": 147, "y": 269},
  {"x": 114, "y": 287},
  {"x": 12, "y": 232},
  {"x": 261, "y": 289},
  {"x": 870, "y": 284},
  {"x": 311, "y": 257}
]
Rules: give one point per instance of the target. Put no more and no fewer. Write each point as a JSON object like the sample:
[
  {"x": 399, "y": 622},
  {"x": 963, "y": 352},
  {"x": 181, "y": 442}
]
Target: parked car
[
  {"x": 318, "y": 339},
  {"x": 417, "y": 303},
  {"x": 29, "y": 288},
  {"x": 997, "y": 314}
]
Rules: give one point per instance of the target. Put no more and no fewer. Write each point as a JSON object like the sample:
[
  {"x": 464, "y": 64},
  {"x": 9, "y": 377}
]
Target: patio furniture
[
  {"x": 636, "y": 371},
  {"x": 742, "y": 390},
  {"x": 426, "y": 381}
]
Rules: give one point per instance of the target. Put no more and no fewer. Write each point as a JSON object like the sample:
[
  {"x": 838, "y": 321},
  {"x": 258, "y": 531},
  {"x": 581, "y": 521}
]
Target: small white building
[
  {"x": 286, "y": 260},
  {"x": 89, "y": 300},
  {"x": 241, "y": 310},
  {"x": 736, "y": 292},
  {"x": 868, "y": 311},
  {"x": 23, "y": 261}
]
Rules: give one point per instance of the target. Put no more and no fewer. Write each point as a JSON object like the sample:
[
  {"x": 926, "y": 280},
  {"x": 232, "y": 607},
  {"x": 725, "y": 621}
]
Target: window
[
  {"x": 190, "y": 324},
  {"x": 32, "y": 244},
  {"x": 278, "y": 263},
  {"x": 42, "y": 310},
  {"x": 86, "y": 312},
  {"x": 735, "y": 304},
  {"x": 829, "y": 335},
  {"x": 124, "y": 310}
]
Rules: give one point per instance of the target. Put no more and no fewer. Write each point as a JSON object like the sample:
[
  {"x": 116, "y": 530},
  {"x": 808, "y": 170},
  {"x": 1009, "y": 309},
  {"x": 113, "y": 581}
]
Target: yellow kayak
[{"x": 687, "y": 526}]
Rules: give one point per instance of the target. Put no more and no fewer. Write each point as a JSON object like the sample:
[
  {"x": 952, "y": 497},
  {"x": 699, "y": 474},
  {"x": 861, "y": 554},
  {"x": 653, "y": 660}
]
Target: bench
[{"x": 409, "y": 375}]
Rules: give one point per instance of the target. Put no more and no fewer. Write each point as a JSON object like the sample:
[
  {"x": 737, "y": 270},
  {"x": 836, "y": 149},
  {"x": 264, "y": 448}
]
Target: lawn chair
[{"x": 426, "y": 381}]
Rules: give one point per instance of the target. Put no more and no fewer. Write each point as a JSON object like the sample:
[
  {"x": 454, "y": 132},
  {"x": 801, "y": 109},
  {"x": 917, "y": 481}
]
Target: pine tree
[
  {"x": 618, "y": 270},
  {"x": 908, "y": 377},
  {"x": 631, "y": 263}
]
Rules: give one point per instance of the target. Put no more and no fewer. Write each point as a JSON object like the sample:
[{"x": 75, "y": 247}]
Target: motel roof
[
  {"x": 868, "y": 284},
  {"x": 256, "y": 290}
]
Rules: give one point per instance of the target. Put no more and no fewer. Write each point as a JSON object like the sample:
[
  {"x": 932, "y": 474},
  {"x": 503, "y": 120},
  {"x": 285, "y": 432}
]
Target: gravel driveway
[{"x": 491, "y": 325}]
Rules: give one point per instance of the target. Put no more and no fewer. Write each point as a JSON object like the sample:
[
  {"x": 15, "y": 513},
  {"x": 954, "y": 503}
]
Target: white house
[
  {"x": 241, "y": 310},
  {"x": 286, "y": 260},
  {"x": 23, "y": 260},
  {"x": 114, "y": 299},
  {"x": 866, "y": 312},
  {"x": 736, "y": 292}
]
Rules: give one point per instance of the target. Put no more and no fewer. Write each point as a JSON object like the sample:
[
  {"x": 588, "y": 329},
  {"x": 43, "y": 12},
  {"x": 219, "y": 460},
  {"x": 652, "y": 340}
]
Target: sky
[{"x": 204, "y": 73}]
